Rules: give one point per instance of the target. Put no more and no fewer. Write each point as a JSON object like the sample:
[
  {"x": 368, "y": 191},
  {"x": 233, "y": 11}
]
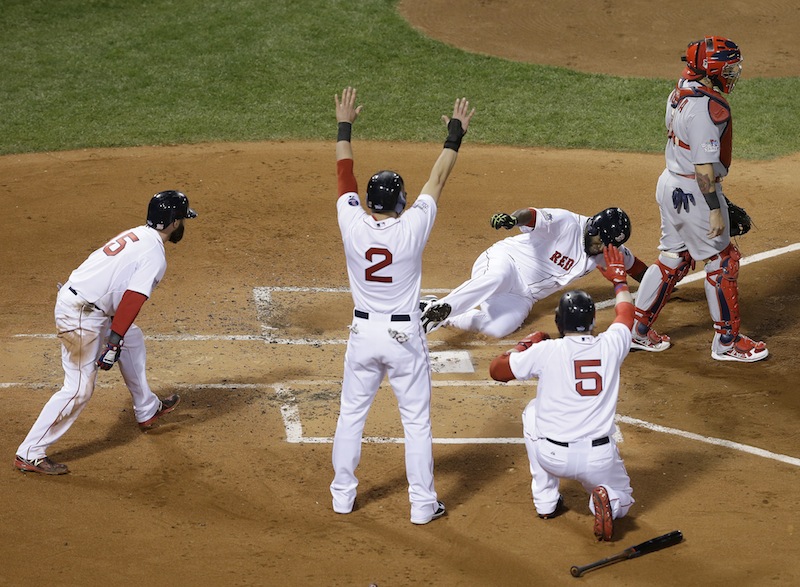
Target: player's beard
[{"x": 177, "y": 234}]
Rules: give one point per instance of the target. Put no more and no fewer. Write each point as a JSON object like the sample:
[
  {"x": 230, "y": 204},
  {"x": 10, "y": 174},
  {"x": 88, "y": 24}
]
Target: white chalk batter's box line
[
  {"x": 263, "y": 300},
  {"x": 290, "y": 412},
  {"x": 442, "y": 362}
]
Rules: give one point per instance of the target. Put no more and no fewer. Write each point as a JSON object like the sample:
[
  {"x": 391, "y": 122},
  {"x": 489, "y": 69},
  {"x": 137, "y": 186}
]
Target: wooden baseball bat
[{"x": 657, "y": 543}]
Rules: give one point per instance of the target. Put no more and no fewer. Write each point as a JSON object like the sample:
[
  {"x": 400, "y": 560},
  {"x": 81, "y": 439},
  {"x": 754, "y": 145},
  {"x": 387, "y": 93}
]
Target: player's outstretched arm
[
  {"x": 521, "y": 217},
  {"x": 615, "y": 272},
  {"x": 456, "y": 128},
  {"x": 346, "y": 114},
  {"x": 500, "y": 369}
]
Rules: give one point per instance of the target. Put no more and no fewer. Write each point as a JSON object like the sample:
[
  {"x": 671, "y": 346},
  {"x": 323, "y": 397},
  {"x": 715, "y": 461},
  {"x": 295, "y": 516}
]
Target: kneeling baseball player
[{"x": 569, "y": 426}]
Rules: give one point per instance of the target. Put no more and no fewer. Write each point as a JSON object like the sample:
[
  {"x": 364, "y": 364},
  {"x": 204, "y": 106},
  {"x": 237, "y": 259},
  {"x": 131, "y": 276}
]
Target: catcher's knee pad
[
  {"x": 673, "y": 267},
  {"x": 722, "y": 291}
]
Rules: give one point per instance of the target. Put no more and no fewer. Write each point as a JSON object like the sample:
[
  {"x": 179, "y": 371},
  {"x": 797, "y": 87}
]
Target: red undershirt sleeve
[
  {"x": 532, "y": 221},
  {"x": 500, "y": 369},
  {"x": 129, "y": 307},
  {"x": 624, "y": 312},
  {"x": 346, "y": 178}
]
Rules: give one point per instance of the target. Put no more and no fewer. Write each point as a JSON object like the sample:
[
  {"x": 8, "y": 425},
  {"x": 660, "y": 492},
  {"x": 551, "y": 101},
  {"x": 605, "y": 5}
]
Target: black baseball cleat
[
  {"x": 434, "y": 314},
  {"x": 426, "y": 301},
  {"x": 167, "y": 405},
  {"x": 560, "y": 509}
]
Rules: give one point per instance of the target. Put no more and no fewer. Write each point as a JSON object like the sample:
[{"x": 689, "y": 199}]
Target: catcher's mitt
[{"x": 739, "y": 219}]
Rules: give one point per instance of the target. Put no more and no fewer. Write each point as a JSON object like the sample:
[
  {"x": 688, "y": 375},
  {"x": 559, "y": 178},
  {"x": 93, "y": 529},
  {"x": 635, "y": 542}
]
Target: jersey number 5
[
  {"x": 118, "y": 244},
  {"x": 584, "y": 374},
  {"x": 386, "y": 260}
]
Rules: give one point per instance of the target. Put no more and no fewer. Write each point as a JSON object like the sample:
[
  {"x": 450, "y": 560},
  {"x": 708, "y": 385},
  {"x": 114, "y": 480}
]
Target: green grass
[{"x": 100, "y": 73}]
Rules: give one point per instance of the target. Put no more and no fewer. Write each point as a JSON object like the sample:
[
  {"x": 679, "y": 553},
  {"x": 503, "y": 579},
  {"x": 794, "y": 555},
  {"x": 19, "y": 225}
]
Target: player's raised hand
[
  {"x": 462, "y": 113},
  {"x": 615, "y": 265},
  {"x": 346, "y": 109}
]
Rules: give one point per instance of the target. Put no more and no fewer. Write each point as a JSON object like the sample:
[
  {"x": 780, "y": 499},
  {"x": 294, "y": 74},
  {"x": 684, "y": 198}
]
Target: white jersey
[
  {"x": 578, "y": 385},
  {"x": 384, "y": 258},
  {"x": 133, "y": 260},
  {"x": 551, "y": 254},
  {"x": 698, "y": 128}
]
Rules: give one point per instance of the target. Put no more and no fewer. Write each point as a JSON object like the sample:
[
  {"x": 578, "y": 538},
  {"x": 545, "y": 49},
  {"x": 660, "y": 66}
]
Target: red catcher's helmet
[{"x": 716, "y": 58}]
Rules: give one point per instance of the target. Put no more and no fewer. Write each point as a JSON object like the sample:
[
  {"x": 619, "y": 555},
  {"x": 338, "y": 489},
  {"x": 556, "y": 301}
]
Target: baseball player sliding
[
  {"x": 383, "y": 251},
  {"x": 695, "y": 225},
  {"x": 94, "y": 316},
  {"x": 569, "y": 426},
  {"x": 556, "y": 247}
]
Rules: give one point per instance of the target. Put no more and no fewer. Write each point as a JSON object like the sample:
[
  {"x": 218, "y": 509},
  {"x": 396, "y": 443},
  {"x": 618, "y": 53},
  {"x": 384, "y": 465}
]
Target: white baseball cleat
[
  {"x": 744, "y": 349},
  {"x": 438, "y": 513},
  {"x": 652, "y": 341}
]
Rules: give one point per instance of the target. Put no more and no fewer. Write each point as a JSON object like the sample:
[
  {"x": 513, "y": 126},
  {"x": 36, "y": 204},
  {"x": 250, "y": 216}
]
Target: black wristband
[
  {"x": 345, "y": 129},
  {"x": 712, "y": 199},
  {"x": 455, "y": 134}
]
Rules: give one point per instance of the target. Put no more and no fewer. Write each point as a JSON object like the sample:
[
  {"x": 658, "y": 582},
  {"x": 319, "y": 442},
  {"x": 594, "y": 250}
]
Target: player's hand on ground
[
  {"x": 109, "y": 356},
  {"x": 462, "y": 113},
  {"x": 615, "y": 265},
  {"x": 531, "y": 340},
  {"x": 346, "y": 110},
  {"x": 503, "y": 220}
]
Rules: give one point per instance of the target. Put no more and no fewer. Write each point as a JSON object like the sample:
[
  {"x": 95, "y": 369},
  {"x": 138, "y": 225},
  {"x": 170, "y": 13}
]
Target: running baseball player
[
  {"x": 94, "y": 315},
  {"x": 569, "y": 426},
  {"x": 383, "y": 250},
  {"x": 556, "y": 247},
  {"x": 695, "y": 226}
]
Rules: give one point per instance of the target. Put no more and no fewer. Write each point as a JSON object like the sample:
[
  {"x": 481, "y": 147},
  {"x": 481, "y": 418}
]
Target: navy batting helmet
[
  {"x": 612, "y": 225},
  {"x": 575, "y": 312},
  {"x": 167, "y": 207},
  {"x": 386, "y": 192}
]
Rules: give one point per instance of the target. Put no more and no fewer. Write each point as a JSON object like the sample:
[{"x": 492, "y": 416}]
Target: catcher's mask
[
  {"x": 612, "y": 225},
  {"x": 386, "y": 192},
  {"x": 166, "y": 207},
  {"x": 575, "y": 312},
  {"x": 716, "y": 58}
]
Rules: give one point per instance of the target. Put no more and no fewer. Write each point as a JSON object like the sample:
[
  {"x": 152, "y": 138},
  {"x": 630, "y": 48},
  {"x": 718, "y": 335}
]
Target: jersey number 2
[
  {"x": 369, "y": 273},
  {"x": 584, "y": 374}
]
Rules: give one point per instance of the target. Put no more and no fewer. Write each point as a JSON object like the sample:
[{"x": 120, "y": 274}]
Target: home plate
[{"x": 451, "y": 362}]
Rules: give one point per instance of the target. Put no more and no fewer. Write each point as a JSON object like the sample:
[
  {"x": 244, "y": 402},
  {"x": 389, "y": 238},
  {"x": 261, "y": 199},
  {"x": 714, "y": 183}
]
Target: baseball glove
[{"x": 739, "y": 219}]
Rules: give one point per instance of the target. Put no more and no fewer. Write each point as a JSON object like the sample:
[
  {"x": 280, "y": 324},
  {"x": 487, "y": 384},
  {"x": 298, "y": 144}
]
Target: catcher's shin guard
[
  {"x": 657, "y": 284},
  {"x": 722, "y": 292}
]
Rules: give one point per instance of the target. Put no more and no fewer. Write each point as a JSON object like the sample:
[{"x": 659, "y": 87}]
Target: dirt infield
[{"x": 232, "y": 488}]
